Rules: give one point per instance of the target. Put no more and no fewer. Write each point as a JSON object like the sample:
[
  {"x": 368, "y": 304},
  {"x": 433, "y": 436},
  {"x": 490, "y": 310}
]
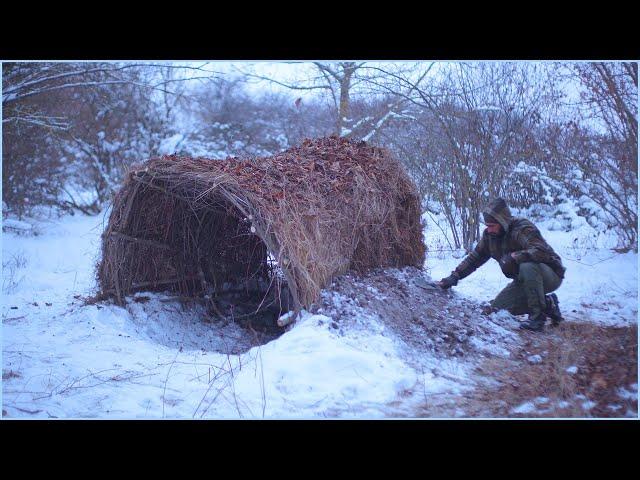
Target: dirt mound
[{"x": 428, "y": 320}]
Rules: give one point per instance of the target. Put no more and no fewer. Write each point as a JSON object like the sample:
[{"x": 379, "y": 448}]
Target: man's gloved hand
[
  {"x": 448, "y": 282},
  {"x": 509, "y": 266}
]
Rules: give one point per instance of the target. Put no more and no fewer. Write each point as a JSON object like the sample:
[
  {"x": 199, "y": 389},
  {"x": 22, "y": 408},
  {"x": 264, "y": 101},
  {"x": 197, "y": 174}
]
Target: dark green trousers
[{"x": 526, "y": 293}]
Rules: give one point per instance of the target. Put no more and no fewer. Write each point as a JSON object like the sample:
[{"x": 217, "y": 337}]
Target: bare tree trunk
[{"x": 348, "y": 69}]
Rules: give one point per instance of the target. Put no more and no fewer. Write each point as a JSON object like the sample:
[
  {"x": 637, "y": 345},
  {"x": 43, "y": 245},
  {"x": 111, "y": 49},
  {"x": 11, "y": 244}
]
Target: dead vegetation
[
  {"x": 273, "y": 230},
  {"x": 582, "y": 370},
  {"x": 578, "y": 369},
  {"x": 9, "y": 374}
]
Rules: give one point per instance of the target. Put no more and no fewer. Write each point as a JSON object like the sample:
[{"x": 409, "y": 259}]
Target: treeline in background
[{"x": 543, "y": 135}]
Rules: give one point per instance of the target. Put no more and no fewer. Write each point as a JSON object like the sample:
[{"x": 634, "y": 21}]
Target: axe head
[{"x": 427, "y": 285}]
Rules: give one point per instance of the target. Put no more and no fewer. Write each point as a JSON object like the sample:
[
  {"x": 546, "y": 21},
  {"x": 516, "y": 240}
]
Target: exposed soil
[
  {"x": 578, "y": 369},
  {"x": 427, "y": 320},
  {"x": 585, "y": 370},
  {"x": 604, "y": 360}
]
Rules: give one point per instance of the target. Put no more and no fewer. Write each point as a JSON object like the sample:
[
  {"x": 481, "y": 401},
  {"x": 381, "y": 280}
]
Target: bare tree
[
  {"x": 336, "y": 79},
  {"x": 341, "y": 82},
  {"x": 86, "y": 121},
  {"x": 612, "y": 96},
  {"x": 473, "y": 122},
  {"x": 594, "y": 155}
]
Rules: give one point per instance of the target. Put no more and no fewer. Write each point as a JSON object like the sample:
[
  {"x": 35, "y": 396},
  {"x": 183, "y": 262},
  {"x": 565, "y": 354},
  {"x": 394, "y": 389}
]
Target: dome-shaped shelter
[{"x": 260, "y": 226}]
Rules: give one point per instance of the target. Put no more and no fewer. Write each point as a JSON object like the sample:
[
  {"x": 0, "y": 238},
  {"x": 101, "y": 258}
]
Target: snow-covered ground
[
  {"x": 155, "y": 359},
  {"x": 599, "y": 286},
  {"x": 62, "y": 359}
]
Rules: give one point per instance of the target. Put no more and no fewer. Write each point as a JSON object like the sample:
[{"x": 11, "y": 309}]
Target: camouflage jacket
[{"x": 521, "y": 237}]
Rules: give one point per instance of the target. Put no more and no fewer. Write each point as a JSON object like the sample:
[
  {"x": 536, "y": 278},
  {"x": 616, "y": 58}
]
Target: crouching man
[{"x": 525, "y": 257}]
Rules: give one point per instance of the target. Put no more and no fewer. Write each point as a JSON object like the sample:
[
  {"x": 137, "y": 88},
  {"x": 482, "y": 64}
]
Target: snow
[
  {"x": 170, "y": 144},
  {"x": 15, "y": 225},
  {"x": 526, "y": 407},
  {"x": 502, "y": 336},
  {"x": 534, "y": 359},
  {"x": 311, "y": 366},
  {"x": 154, "y": 359},
  {"x": 157, "y": 359},
  {"x": 285, "y": 319},
  {"x": 629, "y": 394}
]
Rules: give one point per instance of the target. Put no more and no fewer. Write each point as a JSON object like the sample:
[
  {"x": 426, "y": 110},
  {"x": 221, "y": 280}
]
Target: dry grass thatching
[{"x": 195, "y": 225}]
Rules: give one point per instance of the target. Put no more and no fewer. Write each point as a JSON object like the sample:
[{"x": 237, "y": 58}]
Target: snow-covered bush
[
  {"x": 228, "y": 121},
  {"x": 75, "y": 127},
  {"x": 584, "y": 163}
]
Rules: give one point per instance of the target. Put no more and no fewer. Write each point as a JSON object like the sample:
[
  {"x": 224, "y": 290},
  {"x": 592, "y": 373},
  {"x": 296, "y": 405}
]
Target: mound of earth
[{"x": 426, "y": 319}]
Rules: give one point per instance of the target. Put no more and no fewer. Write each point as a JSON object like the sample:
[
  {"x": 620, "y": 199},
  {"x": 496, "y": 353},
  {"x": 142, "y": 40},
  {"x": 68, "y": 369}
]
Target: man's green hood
[{"x": 499, "y": 210}]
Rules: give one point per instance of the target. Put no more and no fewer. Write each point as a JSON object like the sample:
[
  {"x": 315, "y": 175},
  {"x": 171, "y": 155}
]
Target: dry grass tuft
[{"x": 606, "y": 360}]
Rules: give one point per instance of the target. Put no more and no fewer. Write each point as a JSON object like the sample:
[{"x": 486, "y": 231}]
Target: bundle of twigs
[{"x": 195, "y": 225}]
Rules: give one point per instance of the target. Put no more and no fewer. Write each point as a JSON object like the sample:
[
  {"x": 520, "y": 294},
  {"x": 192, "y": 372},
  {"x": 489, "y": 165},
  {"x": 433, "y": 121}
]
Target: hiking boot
[
  {"x": 553, "y": 309},
  {"x": 535, "y": 324}
]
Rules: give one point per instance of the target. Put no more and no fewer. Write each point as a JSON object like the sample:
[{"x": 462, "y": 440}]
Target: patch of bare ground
[
  {"x": 578, "y": 369},
  {"x": 574, "y": 370},
  {"x": 429, "y": 321}
]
